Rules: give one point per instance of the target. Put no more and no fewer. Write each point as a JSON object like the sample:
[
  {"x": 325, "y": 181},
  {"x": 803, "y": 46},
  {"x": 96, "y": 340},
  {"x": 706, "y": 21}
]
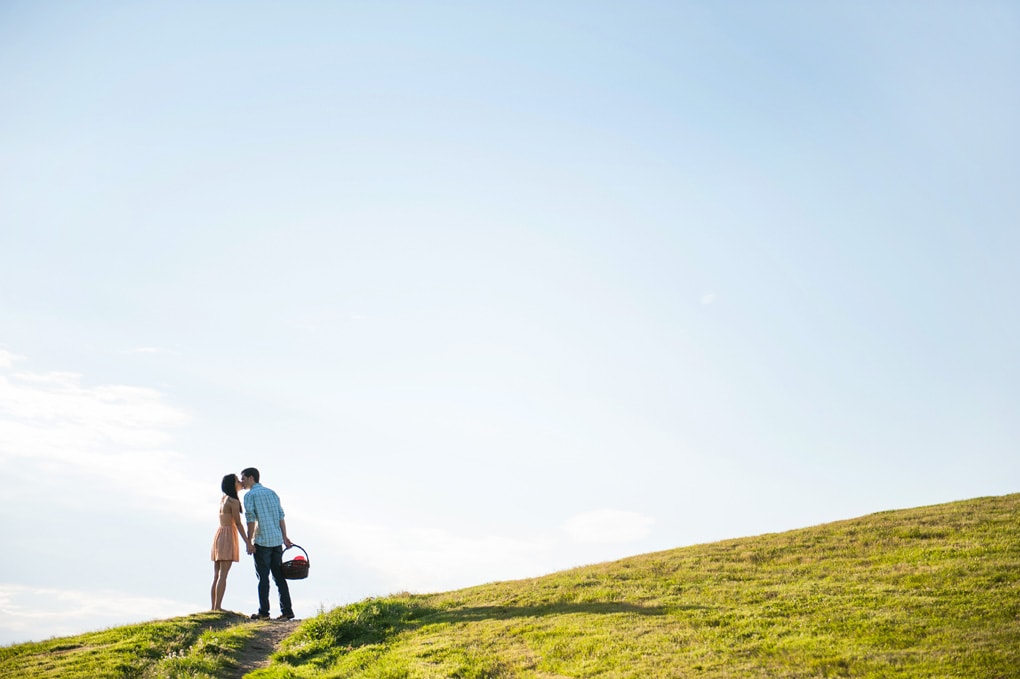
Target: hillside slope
[{"x": 926, "y": 592}]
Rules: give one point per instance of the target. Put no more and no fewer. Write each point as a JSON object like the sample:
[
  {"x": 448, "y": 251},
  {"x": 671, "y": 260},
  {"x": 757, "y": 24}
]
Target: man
[{"x": 267, "y": 531}]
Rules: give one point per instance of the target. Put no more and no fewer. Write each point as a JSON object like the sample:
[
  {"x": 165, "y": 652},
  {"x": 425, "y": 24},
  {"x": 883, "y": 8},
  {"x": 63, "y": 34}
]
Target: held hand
[
  {"x": 250, "y": 547},
  {"x": 287, "y": 543}
]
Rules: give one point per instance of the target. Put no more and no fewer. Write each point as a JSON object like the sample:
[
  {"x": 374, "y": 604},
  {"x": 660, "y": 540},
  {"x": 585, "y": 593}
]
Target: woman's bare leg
[
  {"x": 215, "y": 578},
  {"x": 220, "y": 586}
]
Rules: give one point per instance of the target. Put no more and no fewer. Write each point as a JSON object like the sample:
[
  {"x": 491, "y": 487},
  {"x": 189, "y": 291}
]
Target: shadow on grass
[
  {"x": 477, "y": 613},
  {"x": 376, "y": 621}
]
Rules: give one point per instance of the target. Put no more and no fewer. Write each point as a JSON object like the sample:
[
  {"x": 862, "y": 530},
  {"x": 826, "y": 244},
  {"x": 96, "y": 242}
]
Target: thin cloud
[
  {"x": 709, "y": 298},
  {"x": 40, "y": 612},
  {"x": 119, "y": 434},
  {"x": 427, "y": 558},
  {"x": 608, "y": 525},
  {"x": 7, "y": 359}
]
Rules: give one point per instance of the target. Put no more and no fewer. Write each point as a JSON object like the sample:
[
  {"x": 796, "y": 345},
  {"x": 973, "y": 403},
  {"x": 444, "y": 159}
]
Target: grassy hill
[
  {"x": 926, "y": 592},
  {"x": 200, "y": 645}
]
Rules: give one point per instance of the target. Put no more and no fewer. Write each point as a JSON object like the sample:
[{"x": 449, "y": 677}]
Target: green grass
[
  {"x": 927, "y": 592},
  {"x": 201, "y": 645}
]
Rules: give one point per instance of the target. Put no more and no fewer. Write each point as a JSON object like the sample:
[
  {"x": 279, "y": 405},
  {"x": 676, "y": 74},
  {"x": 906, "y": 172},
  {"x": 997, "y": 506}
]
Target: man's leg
[
  {"x": 281, "y": 582},
  {"x": 263, "y": 565}
]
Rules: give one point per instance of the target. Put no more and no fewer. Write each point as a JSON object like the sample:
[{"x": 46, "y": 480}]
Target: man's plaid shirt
[{"x": 263, "y": 506}]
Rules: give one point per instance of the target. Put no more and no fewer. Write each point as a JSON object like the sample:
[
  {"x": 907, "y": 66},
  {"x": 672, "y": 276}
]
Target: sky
[{"x": 490, "y": 290}]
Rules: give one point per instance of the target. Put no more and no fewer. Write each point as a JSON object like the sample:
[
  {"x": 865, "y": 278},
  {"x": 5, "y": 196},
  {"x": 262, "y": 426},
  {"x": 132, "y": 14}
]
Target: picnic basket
[{"x": 296, "y": 568}]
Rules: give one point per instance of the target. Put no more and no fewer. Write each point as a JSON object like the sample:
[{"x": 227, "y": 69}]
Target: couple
[{"x": 267, "y": 533}]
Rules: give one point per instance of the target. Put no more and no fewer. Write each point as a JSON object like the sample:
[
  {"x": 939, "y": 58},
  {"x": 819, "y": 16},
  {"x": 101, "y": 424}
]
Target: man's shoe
[
  {"x": 286, "y": 616},
  {"x": 260, "y": 616}
]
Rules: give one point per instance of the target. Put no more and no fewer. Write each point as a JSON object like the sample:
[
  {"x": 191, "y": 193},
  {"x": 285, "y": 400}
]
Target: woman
[{"x": 225, "y": 549}]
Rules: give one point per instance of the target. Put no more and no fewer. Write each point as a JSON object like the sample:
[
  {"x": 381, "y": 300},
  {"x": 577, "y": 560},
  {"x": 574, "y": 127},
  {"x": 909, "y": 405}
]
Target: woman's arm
[{"x": 240, "y": 525}]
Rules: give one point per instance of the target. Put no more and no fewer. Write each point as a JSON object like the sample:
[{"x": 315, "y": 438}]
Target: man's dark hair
[{"x": 252, "y": 472}]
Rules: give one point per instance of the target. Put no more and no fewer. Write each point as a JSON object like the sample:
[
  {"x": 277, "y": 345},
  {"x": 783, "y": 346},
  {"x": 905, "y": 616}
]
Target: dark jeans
[{"x": 270, "y": 560}]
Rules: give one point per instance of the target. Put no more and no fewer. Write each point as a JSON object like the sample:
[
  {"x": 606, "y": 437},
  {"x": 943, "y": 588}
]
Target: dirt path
[{"x": 256, "y": 652}]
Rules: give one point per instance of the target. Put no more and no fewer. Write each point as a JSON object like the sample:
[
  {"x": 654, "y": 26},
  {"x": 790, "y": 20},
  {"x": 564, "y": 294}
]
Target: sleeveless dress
[{"x": 225, "y": 546}]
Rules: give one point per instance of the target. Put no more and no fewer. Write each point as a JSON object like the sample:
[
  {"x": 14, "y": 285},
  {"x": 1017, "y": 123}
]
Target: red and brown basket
[{"x": 296, "y": 568}]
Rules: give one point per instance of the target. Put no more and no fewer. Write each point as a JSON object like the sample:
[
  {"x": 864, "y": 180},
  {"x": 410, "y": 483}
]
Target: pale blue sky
[{"x": 488, "y": 291}]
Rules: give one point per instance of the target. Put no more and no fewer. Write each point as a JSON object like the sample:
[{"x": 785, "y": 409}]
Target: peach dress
[{"x": 225, "y": 544}]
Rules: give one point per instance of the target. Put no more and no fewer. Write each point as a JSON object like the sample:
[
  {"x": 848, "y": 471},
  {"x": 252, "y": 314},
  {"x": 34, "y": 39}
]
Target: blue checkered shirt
[{"x": 263, "y": 506}]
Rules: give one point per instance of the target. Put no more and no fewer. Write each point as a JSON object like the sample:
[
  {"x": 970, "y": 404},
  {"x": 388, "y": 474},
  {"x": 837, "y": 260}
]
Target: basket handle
[{"x": 307, "y": 558}]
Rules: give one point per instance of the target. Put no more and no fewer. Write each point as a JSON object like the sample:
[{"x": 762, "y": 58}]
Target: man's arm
[
  {"x": 251, "y": 536},
  {"x": 283, "y": 529}
]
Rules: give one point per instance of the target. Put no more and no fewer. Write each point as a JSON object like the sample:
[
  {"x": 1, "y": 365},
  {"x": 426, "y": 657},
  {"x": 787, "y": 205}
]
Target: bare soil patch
[{"x": 267, "y": 638}]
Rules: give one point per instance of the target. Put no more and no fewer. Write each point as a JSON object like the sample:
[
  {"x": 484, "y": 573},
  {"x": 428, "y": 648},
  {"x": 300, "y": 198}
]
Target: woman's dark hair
[{"x": 229, "y": 487}]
